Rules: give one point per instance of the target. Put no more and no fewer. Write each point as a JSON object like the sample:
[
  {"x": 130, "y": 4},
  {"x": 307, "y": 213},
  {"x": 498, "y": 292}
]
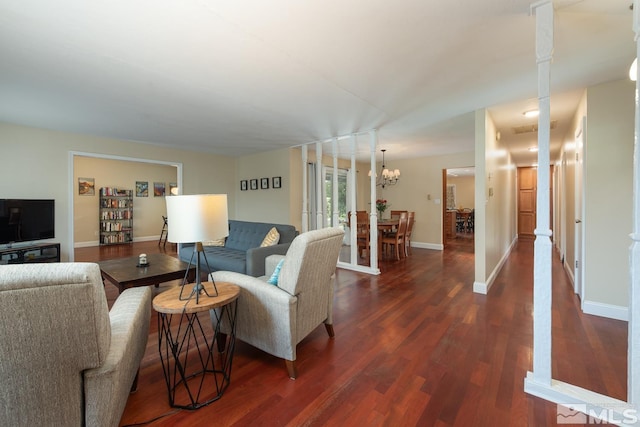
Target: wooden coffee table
[{"x": 124, "y": 273}]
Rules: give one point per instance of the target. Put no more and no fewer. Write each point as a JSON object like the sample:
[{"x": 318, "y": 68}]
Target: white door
[{"x": 579, "y": 211}]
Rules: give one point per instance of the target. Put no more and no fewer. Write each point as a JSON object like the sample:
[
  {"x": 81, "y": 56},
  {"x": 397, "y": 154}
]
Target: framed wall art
[
  {"x": 254, "y": 184},
  {"x": 276, "y": 182},
  {"x": 173, "y": 188},
  {"x": 158, "y": 189},
  {"x": 86, "y": 186},
  {"x": 142, "y": 188},
  {"x": 264, "y": 183},
  {"x": 244, "y": 185}
]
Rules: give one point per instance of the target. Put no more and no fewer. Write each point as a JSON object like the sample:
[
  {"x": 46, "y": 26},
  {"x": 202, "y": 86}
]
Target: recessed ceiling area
[
  {"x": 509, "y": 117},
  {"x": 235, "y": 78}
]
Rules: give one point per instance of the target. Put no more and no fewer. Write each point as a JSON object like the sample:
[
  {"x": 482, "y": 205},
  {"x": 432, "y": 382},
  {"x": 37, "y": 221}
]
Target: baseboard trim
[
  {"x": 86, "y": 244},
  {"x": 483, "y": 287},
  {"x": 434, "y": 246},
  {"x": 569, "y": 271},
  {"x": 146, "y": 238},
  {"x": 93, "y": 243},
  {"x": 605, "y": 310},
  {"x": 359, "y": 268}
]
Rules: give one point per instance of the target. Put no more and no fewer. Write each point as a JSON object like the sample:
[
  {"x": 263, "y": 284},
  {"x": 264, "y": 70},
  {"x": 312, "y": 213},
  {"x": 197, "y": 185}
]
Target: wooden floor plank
[{"x": 414, "y": 346}]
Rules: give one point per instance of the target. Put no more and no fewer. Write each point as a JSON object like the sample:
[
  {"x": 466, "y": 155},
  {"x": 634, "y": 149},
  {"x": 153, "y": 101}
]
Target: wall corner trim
[{"x": 481, "y": 288}]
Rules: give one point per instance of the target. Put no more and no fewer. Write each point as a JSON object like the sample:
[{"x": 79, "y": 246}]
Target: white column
[
  {"x": 334, "y": 196},
  {"x": 352, "y": 195},
  {"x": 319, "y": 185},
  {"x": 633, "y": 350},
  {"x": 373, "y": 222},
  {"x": 305, "y": 195},
  {"x": 542, "y": 244}
]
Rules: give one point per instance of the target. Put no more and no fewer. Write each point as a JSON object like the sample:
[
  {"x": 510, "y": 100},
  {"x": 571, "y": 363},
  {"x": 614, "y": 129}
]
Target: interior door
[
  {"x": 579, "y": 211},
  {"x": 527, "y": 186}
]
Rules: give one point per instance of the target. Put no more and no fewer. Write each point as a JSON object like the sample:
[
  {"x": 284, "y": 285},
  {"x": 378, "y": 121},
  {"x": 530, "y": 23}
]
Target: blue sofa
[{"x": 242, "y": 252}]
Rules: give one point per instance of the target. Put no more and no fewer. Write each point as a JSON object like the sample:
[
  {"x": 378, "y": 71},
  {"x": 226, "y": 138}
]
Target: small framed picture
[
  {"x": 173, "y": 189},
  {"x": 264, "y": 183},
  {"x": 277, "y": 182},
  {"x": 158, "y": 189},
  {"x": 244, "y": 185},
  {"x": 254, "y": 184},
  {"x": 86, "y": 186},
  {"x": 142, "y": 188}
]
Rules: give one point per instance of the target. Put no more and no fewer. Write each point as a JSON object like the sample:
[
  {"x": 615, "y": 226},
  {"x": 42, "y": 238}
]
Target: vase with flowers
[{"x": 381, "y": 206}]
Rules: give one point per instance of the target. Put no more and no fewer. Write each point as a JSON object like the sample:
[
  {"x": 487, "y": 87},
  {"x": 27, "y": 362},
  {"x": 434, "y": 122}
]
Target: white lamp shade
[{"x": 197, "y": 218}]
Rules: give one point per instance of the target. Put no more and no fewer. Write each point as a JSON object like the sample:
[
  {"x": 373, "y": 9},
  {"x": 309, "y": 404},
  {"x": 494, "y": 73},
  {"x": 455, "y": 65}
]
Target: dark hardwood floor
[{"x": 413, "y": 347}]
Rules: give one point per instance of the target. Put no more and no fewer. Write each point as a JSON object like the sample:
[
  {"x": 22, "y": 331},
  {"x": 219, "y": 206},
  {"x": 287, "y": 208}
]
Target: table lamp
[{"x": 194, "y": 219}]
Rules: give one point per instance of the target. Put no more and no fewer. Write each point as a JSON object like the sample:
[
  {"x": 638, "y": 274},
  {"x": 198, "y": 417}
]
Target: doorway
[
  {"x": 527, "y": 193},
  {"x": 527, "y": 201},
  {"x": 80, "y": 217},
  {"x": 458, "y": 208}
]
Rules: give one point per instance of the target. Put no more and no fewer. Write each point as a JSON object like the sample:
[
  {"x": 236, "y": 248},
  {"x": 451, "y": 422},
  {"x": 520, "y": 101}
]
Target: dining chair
[
  {"x": 460, "y": 220},
  {"x": 362, "y": 231},
  {"x": 397, "y": 238},
  {"x": 396, "y": 214},
  {"x": 466, "y": 216},
  {"x": 411, "y": 218},
  {"x": 164, "y": 233}
]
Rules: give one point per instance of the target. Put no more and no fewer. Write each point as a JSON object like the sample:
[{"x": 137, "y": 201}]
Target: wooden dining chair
[
  {"x": 471, "y": 221},
  {"x": 411, "y": 218},
  {"x": 397, "y": 239},
  {"x": 396, "y": 214},
  {"x": 362, "y": 231}
]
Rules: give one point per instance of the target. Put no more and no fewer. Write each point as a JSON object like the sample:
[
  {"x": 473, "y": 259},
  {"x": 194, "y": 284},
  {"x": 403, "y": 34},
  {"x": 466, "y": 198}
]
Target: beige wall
[
  {"x": 147, "y": 211},
  {"x": 608, "y": 191},
  {"x": 465, "y": 190},
  {"x": 36, "y": 164},
  {"x": 272, "y": 204},
  {"x": 495, "y": 215},
  {"x": 567, "y": 164}
]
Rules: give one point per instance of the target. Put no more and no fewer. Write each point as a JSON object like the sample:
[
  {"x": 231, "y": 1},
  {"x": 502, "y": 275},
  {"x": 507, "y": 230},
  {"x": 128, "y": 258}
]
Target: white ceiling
[{"x": 235, "y": 77}]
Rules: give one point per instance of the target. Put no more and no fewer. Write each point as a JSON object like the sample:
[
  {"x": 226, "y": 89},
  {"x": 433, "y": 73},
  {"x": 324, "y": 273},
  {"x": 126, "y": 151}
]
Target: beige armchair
[
  {"x": 65, "y": 359},
  {"x": 276, "y": 318}
]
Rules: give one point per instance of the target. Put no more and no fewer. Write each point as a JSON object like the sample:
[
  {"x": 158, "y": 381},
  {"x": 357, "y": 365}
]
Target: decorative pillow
[
  {"x": 217, "y": 242},
  {"x": 273, "y": 280},
  {"x": 272, "y": 238}
]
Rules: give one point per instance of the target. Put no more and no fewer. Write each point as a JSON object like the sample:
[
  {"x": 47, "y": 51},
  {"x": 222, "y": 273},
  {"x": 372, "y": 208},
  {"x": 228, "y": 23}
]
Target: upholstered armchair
[
  {"x": 65, "y": 359},
  {"x": 275, "y": 318}
]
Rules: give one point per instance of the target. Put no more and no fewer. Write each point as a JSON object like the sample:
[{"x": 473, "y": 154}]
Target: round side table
[{"x": 197, "y": 365}]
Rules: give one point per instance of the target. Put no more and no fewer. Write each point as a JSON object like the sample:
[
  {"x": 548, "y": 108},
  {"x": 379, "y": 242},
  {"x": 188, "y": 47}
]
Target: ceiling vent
[{"x": 531, "y": 128}]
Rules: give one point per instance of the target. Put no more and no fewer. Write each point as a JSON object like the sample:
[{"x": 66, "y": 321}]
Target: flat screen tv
[{"x": 26, "y": 220}]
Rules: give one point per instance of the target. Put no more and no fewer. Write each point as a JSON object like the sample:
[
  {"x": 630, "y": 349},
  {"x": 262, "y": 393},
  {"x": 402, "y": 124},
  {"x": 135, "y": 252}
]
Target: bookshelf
[{"x": 116, "y": 216}]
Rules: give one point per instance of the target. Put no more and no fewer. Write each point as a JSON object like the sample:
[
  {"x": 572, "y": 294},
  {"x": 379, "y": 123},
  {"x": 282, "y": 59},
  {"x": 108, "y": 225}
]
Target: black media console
[{"x": 43, "y": 252}]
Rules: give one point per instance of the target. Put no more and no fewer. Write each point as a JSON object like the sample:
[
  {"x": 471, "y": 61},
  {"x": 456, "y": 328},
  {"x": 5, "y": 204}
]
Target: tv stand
[{"x": 42, "y": 252}]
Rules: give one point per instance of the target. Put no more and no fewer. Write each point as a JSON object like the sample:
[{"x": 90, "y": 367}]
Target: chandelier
[{"x": 386, "y": 177}]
